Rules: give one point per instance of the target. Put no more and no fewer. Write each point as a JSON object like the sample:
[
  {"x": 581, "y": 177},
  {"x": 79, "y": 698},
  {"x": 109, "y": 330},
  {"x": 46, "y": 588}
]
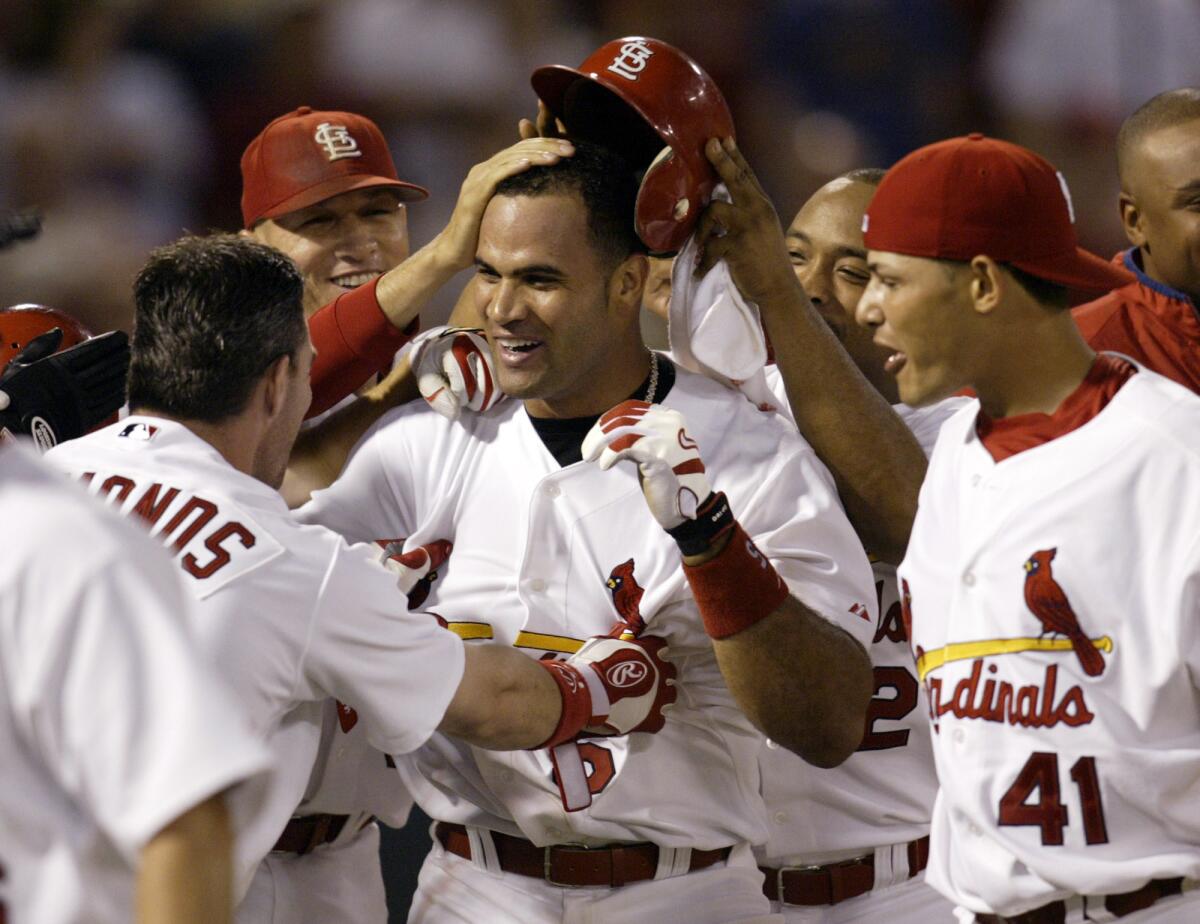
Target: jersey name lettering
[
  {"x": 1032, "y": 706},
  {"x": 192, "y": 520}
]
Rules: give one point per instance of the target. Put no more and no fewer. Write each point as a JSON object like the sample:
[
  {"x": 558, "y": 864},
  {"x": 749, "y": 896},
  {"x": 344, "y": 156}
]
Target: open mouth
[
  {"x": 354, "y": 280},
  {"x": 894, "y": 363},
  {"x": 515, "y": 350}
]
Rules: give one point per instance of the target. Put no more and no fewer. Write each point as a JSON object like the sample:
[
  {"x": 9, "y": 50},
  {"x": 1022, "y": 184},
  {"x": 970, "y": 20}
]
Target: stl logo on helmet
[
  {"x": 631, "y": 61},
  {"x": 337, "y": 141}
]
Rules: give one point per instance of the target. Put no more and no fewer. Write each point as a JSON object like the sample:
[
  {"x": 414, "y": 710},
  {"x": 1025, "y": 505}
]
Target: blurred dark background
[{"x": 123, "y": 120}]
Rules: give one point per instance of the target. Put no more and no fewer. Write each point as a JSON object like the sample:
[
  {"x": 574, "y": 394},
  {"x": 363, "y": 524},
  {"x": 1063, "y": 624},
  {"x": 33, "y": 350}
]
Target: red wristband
[
  {"x": 354, "y": 340},
  {"x": 576, "y": 703},
  {"x": 737, "y": 588}
]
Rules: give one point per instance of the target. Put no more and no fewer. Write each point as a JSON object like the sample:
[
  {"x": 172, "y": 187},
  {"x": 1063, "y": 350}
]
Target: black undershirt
[{"x": 563, "y": 436}]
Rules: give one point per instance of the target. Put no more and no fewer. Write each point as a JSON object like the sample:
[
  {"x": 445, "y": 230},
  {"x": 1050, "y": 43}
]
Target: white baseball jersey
[
  {"x": 546, "y": 556},
  {"x": 110, "y": 727},
  {"x": 290, "y": 614},
  {"x": 1055, "y": 608},
  {"x": 883, "y": 793}
]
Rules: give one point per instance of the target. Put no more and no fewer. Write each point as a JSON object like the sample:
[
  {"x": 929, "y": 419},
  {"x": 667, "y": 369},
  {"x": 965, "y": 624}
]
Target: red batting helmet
[
  {"x": 635, "y": 95},
  {"x": 21, "y": 323}
]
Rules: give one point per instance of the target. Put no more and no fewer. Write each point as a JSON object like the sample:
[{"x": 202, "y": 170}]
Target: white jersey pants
[
  {"x": 452, "y": 890},
  {"x": 340, "y": 882},
  {"x": 1178, "y": 909}
]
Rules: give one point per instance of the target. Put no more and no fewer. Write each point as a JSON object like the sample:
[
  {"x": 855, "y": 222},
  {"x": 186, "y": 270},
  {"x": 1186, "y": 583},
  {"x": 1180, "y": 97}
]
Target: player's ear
[
  {"x": 986, "y": 284},
  {"x": 628, "y": 280},
  {"x": 274, "y": 386},
  {"x": 1132, "y": 220}
]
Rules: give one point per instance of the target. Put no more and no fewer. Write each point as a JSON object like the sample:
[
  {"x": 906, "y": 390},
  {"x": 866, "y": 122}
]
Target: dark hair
[
  {"x": 1043, "y": 291},
  {"x": 606, "y": 183},
  {"x": 1162, "y": 111},
  {"x": 872, "y": 176},
  {"x": 211, "y": 315}
]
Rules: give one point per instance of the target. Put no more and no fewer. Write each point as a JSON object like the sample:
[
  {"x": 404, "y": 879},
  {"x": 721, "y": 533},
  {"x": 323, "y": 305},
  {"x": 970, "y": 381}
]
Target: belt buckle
[
  {"x": 546, "y": 865},
  {"x": 809, "y": 868}
]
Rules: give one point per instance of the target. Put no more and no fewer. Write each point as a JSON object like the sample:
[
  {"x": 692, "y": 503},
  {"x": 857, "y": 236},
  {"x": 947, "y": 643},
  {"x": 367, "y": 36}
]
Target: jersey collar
[{"x": 1130, "y": 260}]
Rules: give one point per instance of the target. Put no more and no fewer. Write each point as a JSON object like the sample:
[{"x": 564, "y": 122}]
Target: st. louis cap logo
[{"x": 337, "y": 141}]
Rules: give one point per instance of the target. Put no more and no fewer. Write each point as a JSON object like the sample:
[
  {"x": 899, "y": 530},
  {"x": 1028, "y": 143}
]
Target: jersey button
[
  {"x": 959, "y": 736},
  {"x": 975, "y": 479},
  {"x": 537, "y": 585},
  {"x": 780, "y": 817},
  {"x": 552, "y": 490},
  {"x": 974, "y": 829},
  {"x": 969, "y": 579}
]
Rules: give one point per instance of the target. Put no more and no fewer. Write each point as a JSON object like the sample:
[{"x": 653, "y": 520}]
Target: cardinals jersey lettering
[
  {"x": 1054, "y": 599},
  {"x": 883, "y": 793},
  {"x": 291, "y": 615},
  {"x": 546, "y": 556},
  {"x": 110, "y": 726}
]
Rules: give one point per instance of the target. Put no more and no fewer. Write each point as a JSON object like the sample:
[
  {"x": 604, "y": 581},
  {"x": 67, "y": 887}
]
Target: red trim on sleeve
[
  {"x": 1010, "y": 435},
  {"x": 354, "y": 340}
]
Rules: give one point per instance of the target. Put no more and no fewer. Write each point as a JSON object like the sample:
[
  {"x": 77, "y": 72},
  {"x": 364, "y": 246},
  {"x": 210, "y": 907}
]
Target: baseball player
[
  {"x": 292, "y": 615},
  {"x": 1153, "y": 318},
  {"x": 118, "y": 745},
  {"x": 321, "y": 187},
  {"x": 548, "y": 545},
  {"x": 848, "y": 843},
  {"x": 1051, "y": 578}
]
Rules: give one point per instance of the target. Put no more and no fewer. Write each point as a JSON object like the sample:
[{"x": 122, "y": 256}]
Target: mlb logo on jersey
[{"x": 139, "y": 431}]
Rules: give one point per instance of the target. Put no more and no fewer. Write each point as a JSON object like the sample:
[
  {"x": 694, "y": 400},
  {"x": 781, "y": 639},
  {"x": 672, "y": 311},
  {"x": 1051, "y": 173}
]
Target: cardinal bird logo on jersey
[
  {"x": 627, "y": 597},
  {"x": 1048, "y": 602}
]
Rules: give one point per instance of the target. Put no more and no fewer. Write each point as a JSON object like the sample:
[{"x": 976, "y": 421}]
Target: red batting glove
[
  {"x": 612, "y": 687},
  {"x": 415, "y": 570}
]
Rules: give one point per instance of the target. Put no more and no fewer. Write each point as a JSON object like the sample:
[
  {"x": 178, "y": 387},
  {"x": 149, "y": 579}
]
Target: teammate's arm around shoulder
[{"x": 800, "y": 679}]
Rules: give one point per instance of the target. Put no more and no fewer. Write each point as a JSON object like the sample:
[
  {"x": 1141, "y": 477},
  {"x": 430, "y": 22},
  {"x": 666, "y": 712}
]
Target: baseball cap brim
[
  {"x": 1079, "y": 270},
  {"x": 408, "y": 192}
]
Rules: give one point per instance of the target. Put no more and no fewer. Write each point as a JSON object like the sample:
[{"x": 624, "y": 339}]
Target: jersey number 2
[
  {"x": 1048, "y": 813},
  {"x": 889, "y": 707}
]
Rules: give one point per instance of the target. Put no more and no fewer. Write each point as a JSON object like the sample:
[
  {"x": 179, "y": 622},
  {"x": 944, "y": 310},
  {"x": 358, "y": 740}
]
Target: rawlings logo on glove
[
  {"x": 629, "y": 681},
  {"x": 454, "y": 370}
]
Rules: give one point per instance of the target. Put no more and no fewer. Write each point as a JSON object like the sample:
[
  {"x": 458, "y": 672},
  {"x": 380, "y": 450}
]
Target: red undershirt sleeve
[{"x": 354, "y": 340}]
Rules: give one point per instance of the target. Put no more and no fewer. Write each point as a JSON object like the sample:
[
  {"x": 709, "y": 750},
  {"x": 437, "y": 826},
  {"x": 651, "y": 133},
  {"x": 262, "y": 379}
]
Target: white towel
[{"x": 713, "y": 330}]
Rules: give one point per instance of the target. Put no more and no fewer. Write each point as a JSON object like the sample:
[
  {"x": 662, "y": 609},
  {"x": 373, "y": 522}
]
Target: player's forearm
[
  {"x": 405, "y": 289},
  {"x": 320, "y": 452},
  {"x": 876, "y": 461},
  {"x": 505, "y": 701},
  {"x": 186, "y": 871},
  {"x": 801, "y": 680}
]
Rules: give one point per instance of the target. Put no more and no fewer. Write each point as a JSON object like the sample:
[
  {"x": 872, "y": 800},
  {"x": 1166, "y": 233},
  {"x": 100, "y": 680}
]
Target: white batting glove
[
  {"x": 454, "y": 370},
  {"x": 668, "y": 460}
]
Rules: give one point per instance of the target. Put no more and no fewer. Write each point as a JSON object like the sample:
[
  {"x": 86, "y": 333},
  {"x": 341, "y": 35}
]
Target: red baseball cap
[
  {"x": 973, "y": 196},
  {"x": 306, "y": 156}
]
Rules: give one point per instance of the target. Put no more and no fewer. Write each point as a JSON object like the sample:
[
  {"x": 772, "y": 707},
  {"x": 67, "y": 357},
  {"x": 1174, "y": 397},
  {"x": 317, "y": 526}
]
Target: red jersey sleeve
[{"x": 354, "y": 340}]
